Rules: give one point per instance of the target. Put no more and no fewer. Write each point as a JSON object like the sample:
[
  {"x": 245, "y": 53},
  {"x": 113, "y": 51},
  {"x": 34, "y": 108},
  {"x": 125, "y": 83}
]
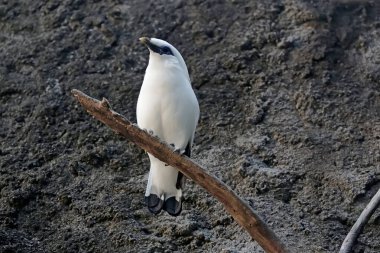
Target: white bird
[{"x": 168, "y": 107}]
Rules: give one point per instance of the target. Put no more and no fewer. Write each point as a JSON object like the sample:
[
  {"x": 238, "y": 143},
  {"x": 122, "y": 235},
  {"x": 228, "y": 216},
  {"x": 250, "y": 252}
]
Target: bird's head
[
  {"x": 158, "y": 46},
  {"x": 161, "y": 50}
]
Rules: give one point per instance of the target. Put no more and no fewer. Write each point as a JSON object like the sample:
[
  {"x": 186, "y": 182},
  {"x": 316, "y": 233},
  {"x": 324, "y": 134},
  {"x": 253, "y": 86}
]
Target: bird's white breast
[{"x": 167, "y": 104}]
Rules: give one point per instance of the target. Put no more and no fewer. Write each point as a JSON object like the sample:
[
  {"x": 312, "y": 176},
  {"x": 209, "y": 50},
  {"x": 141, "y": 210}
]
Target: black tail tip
[
  {"x": 172, "y": 206},
  {"x": 154, "y": 203}
]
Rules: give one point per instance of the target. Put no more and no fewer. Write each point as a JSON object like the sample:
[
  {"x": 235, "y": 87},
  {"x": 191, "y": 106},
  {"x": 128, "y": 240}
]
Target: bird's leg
[
  {"x": 177, "y": 150},
  {"x": 150, "y": 131},
  {"x": 172, "y": 145}
]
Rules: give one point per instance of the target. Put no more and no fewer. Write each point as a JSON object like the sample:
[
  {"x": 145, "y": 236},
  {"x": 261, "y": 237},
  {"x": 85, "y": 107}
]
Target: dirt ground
[{"x": 289, "y": 92}]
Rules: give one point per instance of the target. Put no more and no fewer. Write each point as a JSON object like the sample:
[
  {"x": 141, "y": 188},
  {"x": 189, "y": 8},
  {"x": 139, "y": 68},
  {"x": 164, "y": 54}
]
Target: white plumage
[{"x": 167, "y": 106}]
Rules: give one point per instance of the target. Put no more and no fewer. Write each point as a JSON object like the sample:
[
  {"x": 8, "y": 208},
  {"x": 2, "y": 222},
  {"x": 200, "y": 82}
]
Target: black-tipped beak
[{"x": 146, "y": 41}]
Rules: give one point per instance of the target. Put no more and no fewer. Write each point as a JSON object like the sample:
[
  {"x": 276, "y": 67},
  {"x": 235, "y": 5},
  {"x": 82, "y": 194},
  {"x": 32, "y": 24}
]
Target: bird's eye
[{"x": 166, "y": 50}]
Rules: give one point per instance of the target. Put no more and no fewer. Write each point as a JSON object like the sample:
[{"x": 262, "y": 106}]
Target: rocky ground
[{"x": 289, "y": 93}]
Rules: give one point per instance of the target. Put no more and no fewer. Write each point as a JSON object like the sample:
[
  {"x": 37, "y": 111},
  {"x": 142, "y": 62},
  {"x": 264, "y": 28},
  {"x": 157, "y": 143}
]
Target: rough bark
[
  {"x": 239, "y": 209},
  {"x": 357, "y": 228}
]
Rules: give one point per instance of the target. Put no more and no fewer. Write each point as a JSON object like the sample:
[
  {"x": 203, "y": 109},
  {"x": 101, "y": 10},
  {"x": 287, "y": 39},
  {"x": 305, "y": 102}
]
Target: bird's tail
[{"x": 164, "y": 189}]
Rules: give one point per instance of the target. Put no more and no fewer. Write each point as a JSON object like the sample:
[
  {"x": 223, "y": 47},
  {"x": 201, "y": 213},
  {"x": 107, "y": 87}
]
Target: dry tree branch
[
  {"x": 240, "y": 210},
  {"x": 357, "y": 228}
]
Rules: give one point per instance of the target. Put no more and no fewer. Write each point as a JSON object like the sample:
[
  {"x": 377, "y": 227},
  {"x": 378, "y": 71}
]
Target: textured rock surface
[{"x": 290, "y": 100}]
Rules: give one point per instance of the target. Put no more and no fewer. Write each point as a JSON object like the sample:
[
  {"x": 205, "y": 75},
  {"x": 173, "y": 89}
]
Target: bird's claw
[{"x": 177, "y": 150}]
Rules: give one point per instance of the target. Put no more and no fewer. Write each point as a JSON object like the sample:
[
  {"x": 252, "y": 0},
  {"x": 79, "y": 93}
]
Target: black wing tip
[
  {"x": 154, "y": 203},
  {"x": 180, "y": 181},
  {"x": 172, "y": 206}
]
